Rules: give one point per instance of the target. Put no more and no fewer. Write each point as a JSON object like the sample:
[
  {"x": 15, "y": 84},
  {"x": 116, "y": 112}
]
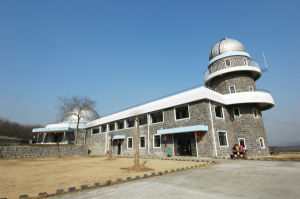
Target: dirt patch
[{"x": 31, "y": 176}]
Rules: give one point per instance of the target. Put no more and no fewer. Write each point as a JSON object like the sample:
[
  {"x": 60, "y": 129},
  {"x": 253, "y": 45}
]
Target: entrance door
[
  {"x": 119, "y": 148},
  {"x": 185, "y": 144}
]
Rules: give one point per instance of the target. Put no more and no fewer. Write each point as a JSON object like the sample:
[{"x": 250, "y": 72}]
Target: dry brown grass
[
  {"x": 31, "y": 176},
  {"x": 282, "y": 156}
]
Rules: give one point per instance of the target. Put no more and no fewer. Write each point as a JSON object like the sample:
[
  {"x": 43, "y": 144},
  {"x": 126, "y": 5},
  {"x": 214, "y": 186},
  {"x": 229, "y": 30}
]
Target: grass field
[{"x": 31, "y": 176}]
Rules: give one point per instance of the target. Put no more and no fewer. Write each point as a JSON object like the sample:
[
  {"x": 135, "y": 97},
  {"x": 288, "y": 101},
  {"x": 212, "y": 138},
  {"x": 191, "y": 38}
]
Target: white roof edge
[
  {"x": 196, "y": 94},
  {"x": 185, "y": 97}
]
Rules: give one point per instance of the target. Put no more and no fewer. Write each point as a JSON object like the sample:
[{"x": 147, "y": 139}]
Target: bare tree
[{"x": 75, "y": 106}]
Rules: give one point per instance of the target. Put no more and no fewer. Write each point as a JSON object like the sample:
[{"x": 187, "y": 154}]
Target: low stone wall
[{"x": 40, "y": 151}]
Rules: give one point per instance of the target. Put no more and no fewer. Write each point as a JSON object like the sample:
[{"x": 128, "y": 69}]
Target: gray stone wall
[
  {"x": 40, "y": 151},
  {"x": 234, "y": 61},
  {"x": 241, "y": 81}
]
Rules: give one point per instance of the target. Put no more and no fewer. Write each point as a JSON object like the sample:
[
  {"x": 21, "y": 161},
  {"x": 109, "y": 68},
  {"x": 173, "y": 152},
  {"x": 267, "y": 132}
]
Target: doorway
[
  {"x": 119, "y": 148},
  {"x": 184, "y": 144}
]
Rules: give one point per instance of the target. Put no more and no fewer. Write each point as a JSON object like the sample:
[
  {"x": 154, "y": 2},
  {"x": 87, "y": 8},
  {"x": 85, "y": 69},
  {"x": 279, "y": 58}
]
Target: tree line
[{"x": 16, "y": 130}]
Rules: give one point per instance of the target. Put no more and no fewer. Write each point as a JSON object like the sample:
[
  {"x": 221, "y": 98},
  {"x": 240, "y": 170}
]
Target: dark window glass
[
  {"x": 156, "y": 140},
  {"x": 182, "y": 112},
  {"x": 112, "y": 126},
  {"x": 120, "y": 124},
  {"x": 227, "y": 62},
  {"x": 143, "y": 119},
  {"x": 103, "y": 128},
  {"x": 255, "y": 113},
  {"x": 262, "y": 144},
  {"x": 219, "y": 111},
  {"x": 232, "y": 89},
  {"x": 222, "y": 139},
  {"x": 95, "y": 131},
  {"x": 157, "y": 117},
  {"x": 130, "y": 122},
  {"x": 242, "y": 142},
  {"x": 142, "y": 141},
  {"x": 236, "y": 112},
  {"x": 129, "y": 144}
]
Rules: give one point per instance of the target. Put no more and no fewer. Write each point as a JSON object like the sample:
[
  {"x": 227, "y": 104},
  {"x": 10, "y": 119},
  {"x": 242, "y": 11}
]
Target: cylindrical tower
[{"x": 233, "y": 73}]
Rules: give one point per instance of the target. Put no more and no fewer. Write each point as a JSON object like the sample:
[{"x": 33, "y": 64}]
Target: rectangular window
[
  {"x": 236, "y": 112},
  {"x": 143, "y": 119},
  {"x": 255, "y": 114},
  {"x": 130, "y": 122},
  {"x": 262, "y": 143},
  {"x": 245, "y": 62},
  {"x": 129, "y": 143},
  {"x": 157, "y": 117},
  {"x": 120, "y": 124},
  {"x": 142, "y": 141},
  {"x": 111, "y": 126},
  {"x": 156, "y": 141},
  {"x": 242, "y": 142},
  {"x": 251, "y": 88},
  {"x": 103, "y": 128},
  {"x": 182, "y": 112},
  {"x": 232, "y": 89},
  {"x": 223, "y": 138},
  {"x": 219, "y": 111},
  {"x": 95, "y": 131},
  {"x": 227, "y": 62}
]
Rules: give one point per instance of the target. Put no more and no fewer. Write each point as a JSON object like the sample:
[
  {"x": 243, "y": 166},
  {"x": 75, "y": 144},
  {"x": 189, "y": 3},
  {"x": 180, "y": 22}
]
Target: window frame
[
  {"x": 144, "y": 141},
  {"x": 118, "y": 125},
  {"x": 131, "y": 142},
  {"x": 163, "y": 116},
  {"x": 223, "y": 116},
  {"x": 134, "y": 123},
  {"x": 228, "y": 62},
  {"x": 255, "y": 110},
  {"x": 233, "y": 86},
  {"x": 221, "y": 131},
  {"x": 146, "y": 120},
  {"x": 238, "y": 111},
  {"x": 114, "y": 126},
  {"x": 263, "y": 141},
  {"x": 251, "y": 88},
  {"x": 154, "y": 141},
  {"x": 187, "y": 118},
  {"x": 245, "y": 147},
  {"x": 246, "y": 63},
  {"x": 105, "y": 128},
  {"x": 95, "y": 129}
]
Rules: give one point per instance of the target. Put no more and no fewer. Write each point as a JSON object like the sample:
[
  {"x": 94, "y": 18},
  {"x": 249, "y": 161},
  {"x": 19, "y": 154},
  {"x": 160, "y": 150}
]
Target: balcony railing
[{"x": 233, "y": 63}]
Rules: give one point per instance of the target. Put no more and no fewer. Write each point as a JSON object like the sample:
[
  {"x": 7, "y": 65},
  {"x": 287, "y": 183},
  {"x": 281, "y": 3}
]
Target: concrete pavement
[{"x": 231, "y": 179}]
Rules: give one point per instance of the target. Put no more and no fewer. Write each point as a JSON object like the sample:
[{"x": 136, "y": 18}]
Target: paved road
[{"x": 231, "y": 179}]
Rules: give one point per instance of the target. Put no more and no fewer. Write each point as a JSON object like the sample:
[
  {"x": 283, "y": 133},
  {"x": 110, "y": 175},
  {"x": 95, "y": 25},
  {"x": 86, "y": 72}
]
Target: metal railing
[{"x": 233, "y": 63}]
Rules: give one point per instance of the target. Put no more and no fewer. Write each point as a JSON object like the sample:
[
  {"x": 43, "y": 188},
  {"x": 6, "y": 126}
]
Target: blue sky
[{"x": 123, "y": 53}]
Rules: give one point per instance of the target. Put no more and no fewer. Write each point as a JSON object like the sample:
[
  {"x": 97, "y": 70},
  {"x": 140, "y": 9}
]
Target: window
[
  {"x": 232, "y": 89},
  {"x": 182, "y": 112},
  {"x": 255, "y": 114},
  {"x": 245, "y": 62},
  {"x": 130, "y": 122},
  {"x": 236, "y": 112},
  {"x": 143, "y": 119},
  {"x": 227, "y": 62},
  {"x": 223, "y": 138},
  {"x": 251, "y": 88},
  {"x": 262, "y": 143},
  {"x": 95, "y": 131},
  {"x": 112, "y": 126},
  {"x": 157, "y": 117},
  {"x": 242, "y": 142},
  {"x": 156, "y": 141},
  {"x": 120, "y": 124},
  {"x": 142, "y": 141},
  {"x": 129, "y": 143},
  {"x": 103, "y": 128},
  {"x": 219, "y": 111}
]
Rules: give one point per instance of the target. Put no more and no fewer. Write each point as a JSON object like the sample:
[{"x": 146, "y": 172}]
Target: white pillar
[{"x": 213, "y": 130}]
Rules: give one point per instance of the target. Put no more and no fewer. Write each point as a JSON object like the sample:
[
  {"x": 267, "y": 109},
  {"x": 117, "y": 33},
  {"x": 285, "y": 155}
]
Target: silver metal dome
[{"x": 226, "y": 45}]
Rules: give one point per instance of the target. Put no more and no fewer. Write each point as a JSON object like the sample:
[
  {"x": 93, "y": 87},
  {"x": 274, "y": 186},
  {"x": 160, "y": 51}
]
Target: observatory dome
[
  {"x": 226, "y": 45},
  {"x": 87, "y": 115}
]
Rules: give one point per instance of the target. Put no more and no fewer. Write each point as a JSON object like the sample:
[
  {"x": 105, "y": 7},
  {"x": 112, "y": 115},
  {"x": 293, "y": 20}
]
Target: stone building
[{"x": 205, "y": 121}]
